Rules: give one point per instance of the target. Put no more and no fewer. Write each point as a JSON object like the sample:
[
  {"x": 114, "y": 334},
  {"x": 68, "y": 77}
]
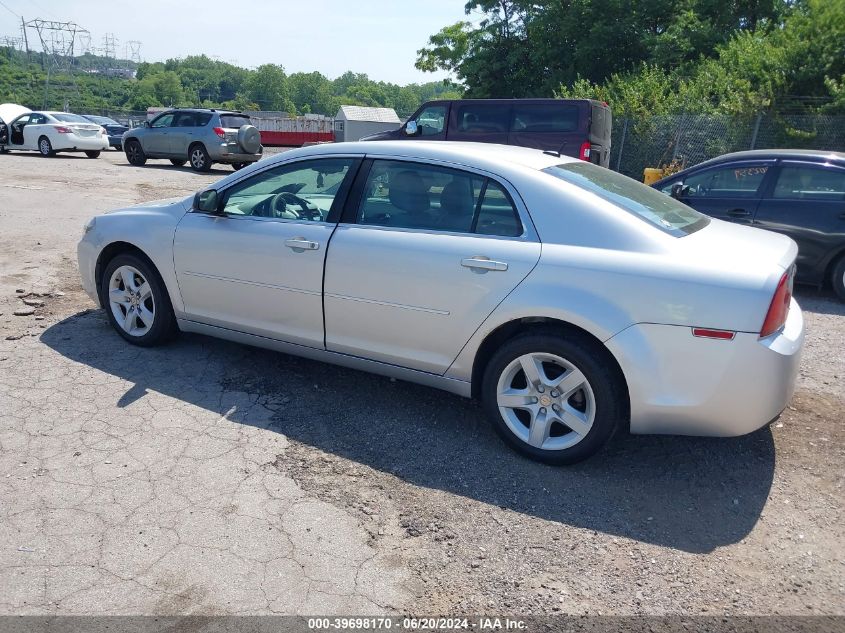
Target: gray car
[
  {"x": 569, "y": 299},
  {"x": 201, "y": 137}
]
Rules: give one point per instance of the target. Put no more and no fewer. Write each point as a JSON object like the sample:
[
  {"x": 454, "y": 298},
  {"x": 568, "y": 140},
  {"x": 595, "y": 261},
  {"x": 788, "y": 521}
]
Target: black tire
[
  {"x": 584, "y": 354},
  {"x": 92, "y": 154},
  {"x": 163, "y": 327},
  {"x": 199, "y": 158},
  {"x": 135, "y": 153},
  {"x": 177, "y": 162},
  {"x": 838, "y": 278},
  {"x": 45, "y": 147},
  {"x": 239, "y": 166}
]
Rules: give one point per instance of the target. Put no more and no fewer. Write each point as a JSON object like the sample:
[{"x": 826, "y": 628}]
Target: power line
[{"x": 8, "y": 9}]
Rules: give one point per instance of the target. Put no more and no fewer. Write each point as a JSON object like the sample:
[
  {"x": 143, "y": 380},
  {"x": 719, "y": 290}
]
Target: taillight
[
  {"x": 779, "y": 308},
  {"x": 61, "y": 129},
  {"x": 584, "y": 152},
  {"x": 219, "y": 131}
]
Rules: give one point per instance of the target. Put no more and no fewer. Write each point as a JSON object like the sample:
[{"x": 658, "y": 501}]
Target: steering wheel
[{"x": 281, "y": 203}]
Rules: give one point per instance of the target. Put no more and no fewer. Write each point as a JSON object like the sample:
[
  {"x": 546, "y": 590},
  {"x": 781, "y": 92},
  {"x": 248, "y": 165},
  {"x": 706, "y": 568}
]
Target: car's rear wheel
[
  {"x": 178, "y": 162},
  {"x": 136, "y": 301},
  {"x": 45, "y": 147},
  {"x": 550, "y": 396},
  {"x": 92, "y": 154},
  {"x": 838, "y": 278},
  {"x": 200, "y": 160},
  {"x": 239, "y": 166},
  {"x": 135, "y": 153}
]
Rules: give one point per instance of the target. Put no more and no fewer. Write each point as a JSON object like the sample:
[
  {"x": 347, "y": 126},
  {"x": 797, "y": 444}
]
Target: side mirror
[
  {"x": 411, "y": 128},
  {"x": 677, "y": 190},
  {"x": 207, "y": 201}
]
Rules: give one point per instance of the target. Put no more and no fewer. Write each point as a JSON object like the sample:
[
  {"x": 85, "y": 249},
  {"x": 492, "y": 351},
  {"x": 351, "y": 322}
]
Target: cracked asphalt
[{"x": 210, "y": 478}]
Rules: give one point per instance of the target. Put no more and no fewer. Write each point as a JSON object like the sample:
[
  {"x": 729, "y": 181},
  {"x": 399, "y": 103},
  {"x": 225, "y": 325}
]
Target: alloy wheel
[
  {"x": 131, "y": 301},
  {"x": 546, "y": 401},
  {"x": 197, "y": 159}
]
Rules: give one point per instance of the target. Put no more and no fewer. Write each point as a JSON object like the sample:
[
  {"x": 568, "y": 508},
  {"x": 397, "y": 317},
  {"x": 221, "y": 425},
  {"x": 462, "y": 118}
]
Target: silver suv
[{"x": 198, "y": 136}]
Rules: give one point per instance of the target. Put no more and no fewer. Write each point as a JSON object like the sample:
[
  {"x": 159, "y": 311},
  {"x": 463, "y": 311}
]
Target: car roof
[
  {"x": 477, "y": 154},
  {"x": 773, "y": 154}
]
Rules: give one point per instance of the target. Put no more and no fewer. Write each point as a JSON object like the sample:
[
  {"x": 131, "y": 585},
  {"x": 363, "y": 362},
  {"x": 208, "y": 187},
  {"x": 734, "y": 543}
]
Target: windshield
[
  {"x": 648, "y": 204},
  {"x": 69, "y": 118},
  {"x": 233, "y": 120},
  {"x": 103, "y": 120}
]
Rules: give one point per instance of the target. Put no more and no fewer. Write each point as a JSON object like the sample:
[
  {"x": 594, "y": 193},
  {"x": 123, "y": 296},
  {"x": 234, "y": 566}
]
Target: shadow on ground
[{"x": 692, "y": 494}]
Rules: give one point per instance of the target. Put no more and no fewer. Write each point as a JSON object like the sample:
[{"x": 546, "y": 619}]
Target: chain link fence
[{"x": 686, "y": 140}]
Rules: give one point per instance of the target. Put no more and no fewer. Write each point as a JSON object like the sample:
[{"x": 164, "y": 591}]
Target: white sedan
[
  {"x": 50, "y": 132},
  {"x": 569, "y": 299}
]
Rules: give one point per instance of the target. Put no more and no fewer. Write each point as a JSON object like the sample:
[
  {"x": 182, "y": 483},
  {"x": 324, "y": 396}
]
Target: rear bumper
[
  {"x": 70, "y": 142},
  {"x": 231, "y": 153},
  {"x": 684, "y": 385}
]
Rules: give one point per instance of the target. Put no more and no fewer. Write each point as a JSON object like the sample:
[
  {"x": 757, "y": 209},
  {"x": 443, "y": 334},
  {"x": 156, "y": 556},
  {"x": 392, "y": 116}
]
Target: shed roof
[{"x": 361, "y": 113}]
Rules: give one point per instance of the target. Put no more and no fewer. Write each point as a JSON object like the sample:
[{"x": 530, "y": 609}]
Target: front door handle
[
  {"x": 739, "y": 213},
  {"x": 480, "y": 262},
  {"x": 301, "y": 244}
]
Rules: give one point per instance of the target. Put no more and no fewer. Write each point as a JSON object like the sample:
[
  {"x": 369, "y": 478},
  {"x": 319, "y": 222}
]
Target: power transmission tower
[
  {"x": 133, "y": 51},
  {"x": 110, "y": 45},
  {"x": 58, "y": 41}
]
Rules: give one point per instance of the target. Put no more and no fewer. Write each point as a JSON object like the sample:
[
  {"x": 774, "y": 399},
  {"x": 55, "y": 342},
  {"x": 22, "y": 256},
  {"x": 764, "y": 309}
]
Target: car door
[
  {"x": 16, "y": 132},
  {"x": 156, "y": 140},
  {"x": 728, "y": 191},
  {"x": 181, "y": 133},
  {"x": 257, "y": 265},
  {"x": 35, "y": 129},
  {"x": 425, "y": 252},
  {"x": 806, "y": 201},
  {"x": 480, "y": 122},
  {"x": 431, "y": 123}
]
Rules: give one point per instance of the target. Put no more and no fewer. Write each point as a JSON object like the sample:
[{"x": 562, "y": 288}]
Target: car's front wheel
[
  {"x": 200, "y": 160},
  {"x": 550, "y": 396},
  {"x": 136, "y": 301},
  {"x": 239, "y": 166},
  {"x": 177, "y": 162},
  {"x": 135, "y": 153},
  {"x": 45, "y": 147}
]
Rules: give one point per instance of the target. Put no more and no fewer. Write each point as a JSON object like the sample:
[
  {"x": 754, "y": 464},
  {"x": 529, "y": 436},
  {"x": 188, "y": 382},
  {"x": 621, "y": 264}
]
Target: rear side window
[
  {"x": 647, "y": 203},
  {"x": 810, "y": 183},
  {"x": 184, "y": 119},
  {"x": 737, "y": 181},
  {"x": 545, "y": 118},
  {"x": 420, "y": 196},
  {"x": 482, "y": 118},
  {"x": 233, "y": 120}
]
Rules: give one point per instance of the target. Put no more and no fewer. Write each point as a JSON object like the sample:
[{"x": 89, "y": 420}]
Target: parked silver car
[
  {"x": 200, "y": 137},
  {"x": 570, "y": 299}
]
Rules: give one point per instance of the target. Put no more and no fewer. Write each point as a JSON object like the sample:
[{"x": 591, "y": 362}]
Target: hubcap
[
  {"x": 131, "y": 301},
  {"x": 546, "y": 401},
  {"x": 45, "y": 147}
]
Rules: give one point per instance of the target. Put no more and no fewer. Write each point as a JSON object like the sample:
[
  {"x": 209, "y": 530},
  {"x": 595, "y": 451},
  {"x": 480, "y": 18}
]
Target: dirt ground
[{"x": 210, "y": 478}]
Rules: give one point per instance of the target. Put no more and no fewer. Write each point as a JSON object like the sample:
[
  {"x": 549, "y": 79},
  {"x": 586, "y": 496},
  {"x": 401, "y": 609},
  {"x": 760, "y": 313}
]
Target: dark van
[{"x": 574, "y": 127}]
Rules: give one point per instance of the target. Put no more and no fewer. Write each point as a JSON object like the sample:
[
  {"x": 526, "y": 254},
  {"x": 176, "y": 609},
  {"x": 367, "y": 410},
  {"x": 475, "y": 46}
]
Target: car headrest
[{"x": 408, "y": 192}]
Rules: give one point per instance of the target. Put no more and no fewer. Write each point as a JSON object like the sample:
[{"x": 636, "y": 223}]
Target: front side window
[
  {"x": 738, "y": 181},
  {"x": 810, "y": 183},
  {"x": 303, "y": 191},
  {"x": 647, "y": 203},
  {"x": 163, "y": 121},
  {"x": 432, "y": 120},
  {"x": 477, "y": 118},
  {"x": 545, "y": 118},
  {"x": 418, "y": 196}
]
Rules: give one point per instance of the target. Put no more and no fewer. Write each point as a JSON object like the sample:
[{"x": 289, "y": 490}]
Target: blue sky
[{"x": 377, "y": 37}]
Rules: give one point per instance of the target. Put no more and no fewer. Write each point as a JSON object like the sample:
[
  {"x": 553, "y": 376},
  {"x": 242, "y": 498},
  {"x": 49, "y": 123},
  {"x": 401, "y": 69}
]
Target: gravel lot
[{"x": 211, "y": 478}]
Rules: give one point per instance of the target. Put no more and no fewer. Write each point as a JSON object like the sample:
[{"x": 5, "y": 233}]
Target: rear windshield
[
  {"x": 102, "y": 120},
  {"x": 234, "y": 120},
  {"x": 648, "y": 204},
  {"x": 70, "y": 118}
]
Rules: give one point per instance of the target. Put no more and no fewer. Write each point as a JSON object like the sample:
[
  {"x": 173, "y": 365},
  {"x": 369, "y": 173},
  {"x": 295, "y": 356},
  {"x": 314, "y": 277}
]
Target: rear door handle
[
  {"x": 739, "y": 213},
  {"x": 301, "y": 244},
  {"x": 479, "y": 262}
]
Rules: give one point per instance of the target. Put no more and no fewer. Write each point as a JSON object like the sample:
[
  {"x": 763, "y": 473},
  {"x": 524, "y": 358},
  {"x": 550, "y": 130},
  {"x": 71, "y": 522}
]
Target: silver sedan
[{"x": 571, "y": 300}]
